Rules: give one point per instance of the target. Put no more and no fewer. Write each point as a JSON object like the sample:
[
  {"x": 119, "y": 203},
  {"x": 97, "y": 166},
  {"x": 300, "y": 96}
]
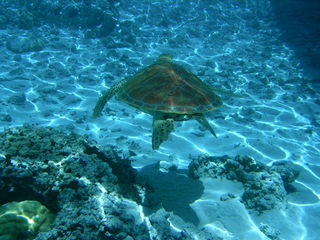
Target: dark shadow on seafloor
[
  {"x": 299, "y": 21},
  {"x": 174, "y": 191}
]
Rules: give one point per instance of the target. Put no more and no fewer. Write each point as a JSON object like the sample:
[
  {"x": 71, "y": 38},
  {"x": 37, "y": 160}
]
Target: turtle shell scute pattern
[{"x": 168, "y": 87}]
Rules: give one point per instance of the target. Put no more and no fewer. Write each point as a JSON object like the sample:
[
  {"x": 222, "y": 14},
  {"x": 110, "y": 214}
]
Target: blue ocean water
[{"x": 262, "y": 56}]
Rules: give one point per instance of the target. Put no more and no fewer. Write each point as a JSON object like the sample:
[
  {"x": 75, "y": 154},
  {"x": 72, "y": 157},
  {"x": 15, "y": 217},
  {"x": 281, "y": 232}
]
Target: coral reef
[
  {"x": 84, "y": 185},
  {"x": 23, "y": 220},
  {"x": 264, "y": 187},
  {"x": 93, "y": 192}
]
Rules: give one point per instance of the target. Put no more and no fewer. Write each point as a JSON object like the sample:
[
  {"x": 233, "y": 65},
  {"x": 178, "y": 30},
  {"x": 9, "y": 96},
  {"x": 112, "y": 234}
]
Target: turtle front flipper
[
  {"x": 161, "y": 131},
  {"x": 204, "y": 122},
  {"x": 106, "y": 96}
]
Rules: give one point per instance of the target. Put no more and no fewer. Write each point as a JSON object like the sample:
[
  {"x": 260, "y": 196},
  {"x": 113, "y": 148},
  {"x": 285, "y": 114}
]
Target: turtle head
[{"x": 164, "y": 58}]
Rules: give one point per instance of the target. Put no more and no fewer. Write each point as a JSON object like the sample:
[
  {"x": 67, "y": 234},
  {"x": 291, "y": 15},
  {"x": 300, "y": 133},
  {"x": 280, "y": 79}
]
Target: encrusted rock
[{"x": 264, "y": 187}]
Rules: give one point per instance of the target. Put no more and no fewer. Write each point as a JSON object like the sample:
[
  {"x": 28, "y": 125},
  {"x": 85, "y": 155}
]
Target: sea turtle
[{"x": 166, "y": 91}]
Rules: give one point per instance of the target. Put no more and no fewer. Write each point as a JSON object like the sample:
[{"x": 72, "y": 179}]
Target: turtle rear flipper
[
  {"x": 204, "y": 122},
  {"x": 105, "y": 98},
  {"x": 161, "y": 131}
]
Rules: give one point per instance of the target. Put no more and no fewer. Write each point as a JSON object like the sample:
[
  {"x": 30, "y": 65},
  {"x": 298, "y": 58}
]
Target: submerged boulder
[{"x": 264, "y": 187}]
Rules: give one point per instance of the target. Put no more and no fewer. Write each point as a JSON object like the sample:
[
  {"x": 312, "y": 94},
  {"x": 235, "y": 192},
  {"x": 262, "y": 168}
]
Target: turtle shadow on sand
[{"x": 174, "y": 191}]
